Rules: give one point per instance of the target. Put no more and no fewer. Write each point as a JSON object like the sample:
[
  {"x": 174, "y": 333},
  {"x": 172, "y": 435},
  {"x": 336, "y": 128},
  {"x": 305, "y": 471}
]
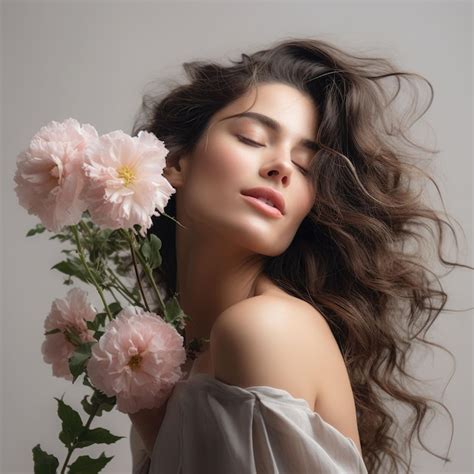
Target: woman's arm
[{"x": 147, "y": 423}]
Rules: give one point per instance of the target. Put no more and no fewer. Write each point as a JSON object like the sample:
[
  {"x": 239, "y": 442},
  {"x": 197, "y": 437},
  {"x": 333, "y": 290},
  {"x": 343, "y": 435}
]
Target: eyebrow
[{"x": 274, "y": 125}]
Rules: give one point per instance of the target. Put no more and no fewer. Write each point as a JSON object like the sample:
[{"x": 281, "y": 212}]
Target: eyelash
[{"x": 255, "y": 144}]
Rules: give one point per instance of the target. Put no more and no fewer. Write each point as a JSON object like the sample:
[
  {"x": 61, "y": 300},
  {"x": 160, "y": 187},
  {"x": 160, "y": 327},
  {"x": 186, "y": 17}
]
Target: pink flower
[
  {"x": 69, "y": 313},
  {"x": 124, "y": 181},
  {"x": 49, "y": 176},
  {"x": 137, "y": 359}
]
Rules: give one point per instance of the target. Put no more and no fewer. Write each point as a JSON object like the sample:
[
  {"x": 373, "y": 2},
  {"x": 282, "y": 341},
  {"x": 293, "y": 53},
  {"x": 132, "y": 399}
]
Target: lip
[
  {"x": 261, "y": 206},
  {"x": 268, "y": 193}
]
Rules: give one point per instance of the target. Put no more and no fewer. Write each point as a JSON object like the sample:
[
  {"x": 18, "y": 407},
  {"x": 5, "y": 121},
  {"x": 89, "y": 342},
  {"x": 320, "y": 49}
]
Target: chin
[{"x": 263, "y": 245}]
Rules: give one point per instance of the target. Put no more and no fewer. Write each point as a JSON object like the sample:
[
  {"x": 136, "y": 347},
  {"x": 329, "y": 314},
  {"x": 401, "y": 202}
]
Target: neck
[{"x": 211, "y": 276}]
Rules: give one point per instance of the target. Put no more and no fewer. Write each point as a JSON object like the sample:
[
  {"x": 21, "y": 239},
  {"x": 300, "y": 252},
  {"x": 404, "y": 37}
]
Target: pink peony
[
  {"x": 49, "y": 176},
  {"x": 124, "y": 181},
  {"x": 138, "y": 359},
  {"x": 69, "y": 313}
]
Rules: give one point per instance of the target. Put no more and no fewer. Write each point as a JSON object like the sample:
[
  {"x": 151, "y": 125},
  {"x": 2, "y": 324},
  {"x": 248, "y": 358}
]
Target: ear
[{"x": 175, "y": 170}]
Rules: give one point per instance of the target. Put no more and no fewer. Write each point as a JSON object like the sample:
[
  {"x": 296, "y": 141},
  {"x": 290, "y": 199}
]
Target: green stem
[
  {"x": 91, "y": 276},
  {"x": 173, "y": 219},
  {"x": 131, "y": 301},
  {"x": 69, "y": 453},
  {"x": 153, "y": 284},
  {"x": 85, "y": 228},
  {"x": 122, "y": 288},
  {"x": 132, "y": 250},
  {"x": 149, "y": 275},
  {"x": 109, "y": 289}
]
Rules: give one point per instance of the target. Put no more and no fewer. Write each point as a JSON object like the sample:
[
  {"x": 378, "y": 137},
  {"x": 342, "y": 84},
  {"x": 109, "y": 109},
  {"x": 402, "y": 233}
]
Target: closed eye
[{"x": 250, "y": 142}]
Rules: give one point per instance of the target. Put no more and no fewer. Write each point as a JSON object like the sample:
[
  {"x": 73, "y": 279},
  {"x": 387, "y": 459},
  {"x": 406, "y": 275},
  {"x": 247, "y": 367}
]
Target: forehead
[{"x": 295, "y": 111}]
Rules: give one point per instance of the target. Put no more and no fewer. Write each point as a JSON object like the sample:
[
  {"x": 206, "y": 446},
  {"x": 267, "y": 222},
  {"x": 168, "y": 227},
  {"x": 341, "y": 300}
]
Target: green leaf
[
  {"x": 150, "y": 250},
  {"x": 92, "y": 325},
  {"x": 104, "y": 402},
  {"x": 194, "y": 347},
  {"x": 115, "y": 308},
  {"x": 87, "y": 382},
  {"x": 38, "y": 229},
  {"x": 62, "y": 237},
  {"x": 71, "y": 423},
  {"x": 97, "y": 322},
  {"x": 57, "y": 236},
  {"x": 96, "y": 436},
  {"x": 155, "y": 243},
  {"x": 88, "y": 465},
  {"x": 145, "y": 249},
  {"x": 99, "y": 402},
  {"x": 52, "y": 331},
  {"x": 102, "y": 408},
  {"x": 44, "y": 463},
  {"x": 79, "y": 358},
  {"x": 88, "y": 408},
  {"x": 101, "y": 318},
  {"x": 72, "y": 268},
  {"x": 173, "y": 310}
]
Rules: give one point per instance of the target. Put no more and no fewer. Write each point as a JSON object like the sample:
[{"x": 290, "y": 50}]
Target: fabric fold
[{"x": 214, "y": 427}]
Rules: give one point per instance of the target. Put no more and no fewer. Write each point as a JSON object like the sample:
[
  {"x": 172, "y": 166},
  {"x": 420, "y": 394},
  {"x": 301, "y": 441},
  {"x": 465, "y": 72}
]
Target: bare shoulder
[
  {"x": 284, "y": 342},
  {"x": 271, "y": 315},
  {"x": 271, "y": 340}
]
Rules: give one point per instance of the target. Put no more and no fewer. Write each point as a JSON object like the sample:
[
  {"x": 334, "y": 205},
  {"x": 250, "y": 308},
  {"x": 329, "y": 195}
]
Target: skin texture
[{"x": 219, "y": 254}]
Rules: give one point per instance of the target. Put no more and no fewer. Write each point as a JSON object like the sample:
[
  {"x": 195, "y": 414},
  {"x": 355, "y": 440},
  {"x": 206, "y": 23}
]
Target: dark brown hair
[{"x": 358, "y": 255}]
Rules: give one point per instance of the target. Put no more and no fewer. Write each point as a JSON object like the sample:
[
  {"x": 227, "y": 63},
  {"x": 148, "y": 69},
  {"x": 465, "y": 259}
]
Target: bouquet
[{"x": 99, "y": 194}]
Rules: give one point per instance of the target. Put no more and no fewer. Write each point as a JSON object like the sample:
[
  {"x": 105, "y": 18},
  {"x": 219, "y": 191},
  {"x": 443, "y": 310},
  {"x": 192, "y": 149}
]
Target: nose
[{"x": 280, "y": 168}]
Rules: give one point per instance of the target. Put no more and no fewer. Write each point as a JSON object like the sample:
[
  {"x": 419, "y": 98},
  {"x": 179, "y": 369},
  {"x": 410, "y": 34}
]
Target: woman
[{"x": 296, "y": 201}]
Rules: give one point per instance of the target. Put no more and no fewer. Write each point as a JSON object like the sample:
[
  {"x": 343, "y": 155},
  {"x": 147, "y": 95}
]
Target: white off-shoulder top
[{"x": 211, "y": 427}]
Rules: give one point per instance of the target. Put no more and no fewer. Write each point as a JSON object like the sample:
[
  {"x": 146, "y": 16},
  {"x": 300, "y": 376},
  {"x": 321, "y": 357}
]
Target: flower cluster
[
  {"x": 66, "y": 327},
  {"x": 141, "y": 357},
  {"x": 100, "y": 193},
  {"x": 68, "y": 169}
]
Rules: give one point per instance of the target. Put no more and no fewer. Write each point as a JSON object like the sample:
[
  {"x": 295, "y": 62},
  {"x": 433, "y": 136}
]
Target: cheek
[
  {"x": 224, "y": 158},
  {"x": 305, "y": 202},
  {"x": 216, "y": 176}
]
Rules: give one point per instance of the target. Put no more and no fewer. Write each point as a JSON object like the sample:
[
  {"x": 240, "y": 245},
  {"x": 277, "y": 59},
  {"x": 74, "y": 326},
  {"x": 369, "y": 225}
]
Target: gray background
[{"x": 93, "y": 62}]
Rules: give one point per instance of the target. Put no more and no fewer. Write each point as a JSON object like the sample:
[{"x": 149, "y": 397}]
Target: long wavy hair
[{"x": 357, "y": 257}]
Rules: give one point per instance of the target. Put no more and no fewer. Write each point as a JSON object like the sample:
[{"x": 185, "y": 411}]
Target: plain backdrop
[{"x": 92, "y": 61}]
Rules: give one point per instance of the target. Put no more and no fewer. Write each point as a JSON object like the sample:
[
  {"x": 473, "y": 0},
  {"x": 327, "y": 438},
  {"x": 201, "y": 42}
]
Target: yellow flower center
[
  {"x": 127, "y": 174},
  {"x": 54, "y": 171},
  {"x": 57, "y": 175},
  {"x": 135, "y": 362}
]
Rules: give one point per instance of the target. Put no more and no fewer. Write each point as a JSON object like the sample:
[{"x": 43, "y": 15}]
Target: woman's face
[{"x": 210, "y": 182}]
